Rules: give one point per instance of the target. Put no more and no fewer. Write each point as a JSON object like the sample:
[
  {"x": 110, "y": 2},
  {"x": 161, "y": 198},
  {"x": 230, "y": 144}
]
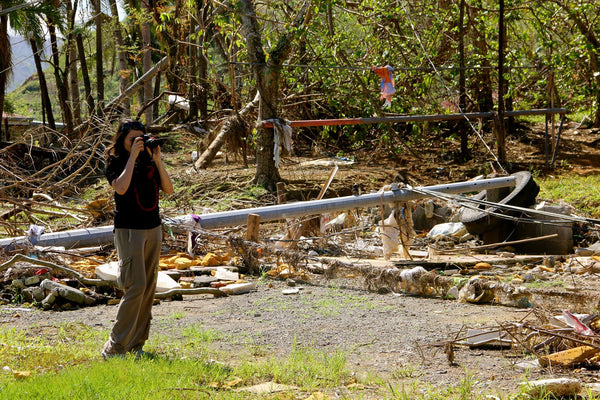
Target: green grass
[
  {"x": 64, "y": 363},
  {"x": 583, "y": 192}
]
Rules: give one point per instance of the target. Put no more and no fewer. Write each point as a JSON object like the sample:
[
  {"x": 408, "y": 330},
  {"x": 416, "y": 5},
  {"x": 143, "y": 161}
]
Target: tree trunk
[
  {"x": 89, "y": 97},
  {"x": 99, "y": 55},
  {"x": 61, "y": 83},
  {"x": 71, "y": 63},
  {"x": 74, "y": 83},
  {"x": 482, "y": 87},
  {"x": 204, "y": 85},
  {"x": 500, "y": 128},
  {"x": 46, "y": 104},
  {"x": 5, "y": 65},
  {"x": 193, "y": 52},
  {"x": 267, "y": 76},
  {"x": 462, "y": 95},
  {"x": 147, "y": 61},
  {"x": 124, "y": 76}
]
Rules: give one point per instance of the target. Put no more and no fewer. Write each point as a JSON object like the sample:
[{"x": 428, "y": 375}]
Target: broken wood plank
[
  {"x": 569, "y": 357},
  {"x": 253, "y": 226}
]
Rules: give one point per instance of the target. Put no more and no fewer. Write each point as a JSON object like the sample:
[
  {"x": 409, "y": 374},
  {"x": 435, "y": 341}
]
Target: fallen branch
[
  {"x": 174, "y": 292},
  {"x": 86, "y": 281},
  {"x": 491, "y": 245}
]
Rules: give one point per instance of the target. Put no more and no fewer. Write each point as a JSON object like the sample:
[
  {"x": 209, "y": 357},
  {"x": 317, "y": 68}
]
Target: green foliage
[
  {"x": 9, "y": 106},
  {"x": 328, "y": 73}
]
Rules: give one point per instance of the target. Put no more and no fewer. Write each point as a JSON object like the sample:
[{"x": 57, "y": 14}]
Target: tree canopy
[{"x": 314, "y": 60}]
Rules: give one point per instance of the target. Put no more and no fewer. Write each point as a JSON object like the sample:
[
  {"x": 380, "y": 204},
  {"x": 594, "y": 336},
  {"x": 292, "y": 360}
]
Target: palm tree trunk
[
  {"x": 124, "y": 77},
  {"x": 99, "y": 55},
  {"x": 46, "y": 104},
  {"x": 5, "y": 65},
  {"x": 85, "y": 75}
]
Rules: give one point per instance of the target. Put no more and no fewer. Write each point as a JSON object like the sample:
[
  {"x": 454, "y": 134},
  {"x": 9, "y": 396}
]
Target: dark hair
[{"x": 117, "y": 147}]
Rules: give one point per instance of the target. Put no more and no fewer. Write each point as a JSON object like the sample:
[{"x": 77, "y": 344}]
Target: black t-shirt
[{"x": 138, "y": 207}]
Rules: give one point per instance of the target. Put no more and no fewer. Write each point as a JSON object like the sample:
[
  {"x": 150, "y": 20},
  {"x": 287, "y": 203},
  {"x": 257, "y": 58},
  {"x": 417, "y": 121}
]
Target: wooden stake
[
  {"x": 281, "y": 198},
  {"x": 253, "y": 225}
]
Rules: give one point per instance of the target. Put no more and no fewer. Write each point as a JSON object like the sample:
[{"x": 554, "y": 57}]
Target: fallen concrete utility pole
[
  {"x": 104, "y": 235},
  {"x": 292, "y": 210}
]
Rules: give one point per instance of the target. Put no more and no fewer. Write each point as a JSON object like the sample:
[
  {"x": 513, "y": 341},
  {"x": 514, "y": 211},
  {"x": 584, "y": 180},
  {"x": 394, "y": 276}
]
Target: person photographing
[{"x": 137, "y": 173}]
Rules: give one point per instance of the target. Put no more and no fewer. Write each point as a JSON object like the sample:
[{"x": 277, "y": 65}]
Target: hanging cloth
[
  {"x": 282, "y": 141},
  {"x": 387, "y": 84}
]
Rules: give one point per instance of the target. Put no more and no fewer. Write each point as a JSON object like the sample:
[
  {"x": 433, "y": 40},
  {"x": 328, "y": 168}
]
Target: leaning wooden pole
[
  {"x": 209, "y": 154},
  {"x": 137, "y": 85}
]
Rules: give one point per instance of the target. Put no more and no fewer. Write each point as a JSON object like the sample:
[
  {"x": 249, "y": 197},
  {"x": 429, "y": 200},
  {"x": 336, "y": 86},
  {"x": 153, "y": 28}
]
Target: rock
[
  {"x": 533, "y": 365},
  {"x": 34, "y": 293},
  {"x": 211, "y": 260},
  {"x": 557, "y": 387},
  {"x": 203, "y": 281},
  {"x": 182, "y": 263}
]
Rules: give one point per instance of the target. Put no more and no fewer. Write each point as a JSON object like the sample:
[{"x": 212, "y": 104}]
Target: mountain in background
[{"x": 23, "y": 64}]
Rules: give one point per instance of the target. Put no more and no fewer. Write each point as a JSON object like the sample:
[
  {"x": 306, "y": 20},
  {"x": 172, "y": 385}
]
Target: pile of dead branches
[{"x": 33, "y": 177}]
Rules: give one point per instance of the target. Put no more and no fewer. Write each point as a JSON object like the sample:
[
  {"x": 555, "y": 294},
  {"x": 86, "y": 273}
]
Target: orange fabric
[{"x": 387, "y": 85}]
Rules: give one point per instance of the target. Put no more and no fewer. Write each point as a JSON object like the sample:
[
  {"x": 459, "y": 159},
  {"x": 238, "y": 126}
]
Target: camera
[{"x": 151, "y": 142}]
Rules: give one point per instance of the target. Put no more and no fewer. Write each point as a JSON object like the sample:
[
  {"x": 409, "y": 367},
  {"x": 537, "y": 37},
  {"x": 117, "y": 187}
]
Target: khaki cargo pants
[{"x": 139, "y": 253}]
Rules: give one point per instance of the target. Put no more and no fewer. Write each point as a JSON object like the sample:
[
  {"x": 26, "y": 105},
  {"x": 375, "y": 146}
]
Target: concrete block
[{"x": 562, "y": 244}]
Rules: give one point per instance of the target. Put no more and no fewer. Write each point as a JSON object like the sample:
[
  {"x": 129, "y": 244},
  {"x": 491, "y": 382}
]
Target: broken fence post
[{"x": 253, "y": 226}]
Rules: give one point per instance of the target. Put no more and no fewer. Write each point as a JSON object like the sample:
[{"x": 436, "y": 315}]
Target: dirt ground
[{"x": 393, "y": 335}]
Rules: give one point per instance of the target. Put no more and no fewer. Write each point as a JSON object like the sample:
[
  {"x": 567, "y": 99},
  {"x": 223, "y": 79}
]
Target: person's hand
[
  {"x": 137, "y": 146},
  {"x": 156, "y": 154}
]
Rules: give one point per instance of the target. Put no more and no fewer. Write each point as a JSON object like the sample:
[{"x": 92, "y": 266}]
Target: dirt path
[{"x": 388, "y": 335}]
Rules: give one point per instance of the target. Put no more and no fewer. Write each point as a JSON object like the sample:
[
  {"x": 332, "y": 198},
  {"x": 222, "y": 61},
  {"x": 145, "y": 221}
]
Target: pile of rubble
[{"x": 541, "y": 340}]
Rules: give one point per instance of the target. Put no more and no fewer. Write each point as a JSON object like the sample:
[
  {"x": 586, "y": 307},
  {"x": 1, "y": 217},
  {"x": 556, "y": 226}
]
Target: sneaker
[
  {"x": 106, "y": 355},
  {"x": 139, "y": 354}
]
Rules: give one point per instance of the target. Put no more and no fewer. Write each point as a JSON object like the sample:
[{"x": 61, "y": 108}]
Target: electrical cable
[
  {"x": 18, "y": 7},
  {"x": 468, "y": 203},
  {"x": 447, "y": 88},
  {"x": 21, "y": 61},
  {"x": 309, "y": 66}
]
